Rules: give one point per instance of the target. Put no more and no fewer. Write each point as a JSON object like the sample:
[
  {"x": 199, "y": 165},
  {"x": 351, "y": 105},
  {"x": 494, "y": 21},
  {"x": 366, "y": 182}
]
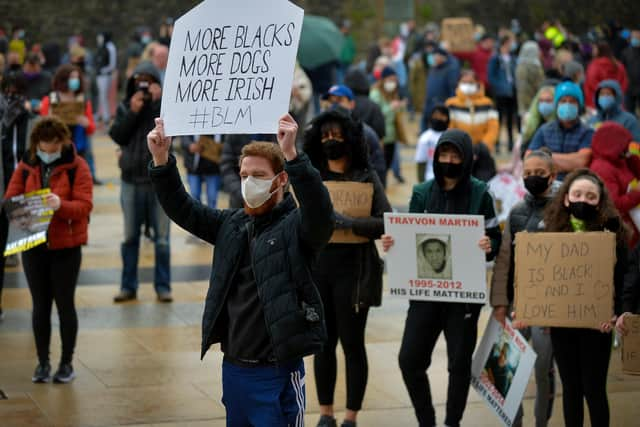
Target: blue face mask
[
  {"x": 546, "y": 108},
  {"x": 74, "y": 84},
  {"x": 48, "y": 158},
  {"x": 431, "y": 60},
  {"x": 567, "y": 111},
  {"x": 606, "y": 101},
  {"x": 635, "y": 42}
]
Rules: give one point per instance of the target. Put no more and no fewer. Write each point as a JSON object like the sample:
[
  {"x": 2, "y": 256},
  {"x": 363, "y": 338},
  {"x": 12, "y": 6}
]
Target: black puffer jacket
[
  {"x": 527, "y": 215},
  {"x": 129, "y": 130},
  {"x": 282, "y": 256},
  {"x": 364, "y": 258}
]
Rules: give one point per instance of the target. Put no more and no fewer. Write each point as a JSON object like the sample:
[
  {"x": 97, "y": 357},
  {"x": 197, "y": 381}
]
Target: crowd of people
[{"x": 281, "y": 288}]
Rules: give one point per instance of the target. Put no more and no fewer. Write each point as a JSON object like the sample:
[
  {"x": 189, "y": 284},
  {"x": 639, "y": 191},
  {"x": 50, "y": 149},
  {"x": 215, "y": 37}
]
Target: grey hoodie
[{"x": 615, "y": 113}]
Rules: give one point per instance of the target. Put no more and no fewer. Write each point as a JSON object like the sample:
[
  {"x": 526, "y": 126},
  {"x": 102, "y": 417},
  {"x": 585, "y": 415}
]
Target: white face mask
[
  {"x": 255, "y": 191},
  {"x": 468, "y": 88},
  {"x": 390, "y": 86}
]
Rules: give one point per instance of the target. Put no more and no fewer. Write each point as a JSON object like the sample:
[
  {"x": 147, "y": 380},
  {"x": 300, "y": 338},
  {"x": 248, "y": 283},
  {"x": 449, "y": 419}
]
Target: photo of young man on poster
[
  {"x": 502, "y": 365},
  {"x": 433, "y": 254}
]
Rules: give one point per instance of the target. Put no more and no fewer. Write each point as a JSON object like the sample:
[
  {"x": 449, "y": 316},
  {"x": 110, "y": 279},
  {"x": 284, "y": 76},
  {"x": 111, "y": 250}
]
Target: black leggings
[
  {"x": 389, "y": 152},
  {"x": 425, "y": 321},
  {"x": 345, "y": 324},
  {"x": 582, "y": 356},
  {"x": 4, "y": 233},
  {"x": 52, "y": 276},
  {"x": 508, "y": 109}
]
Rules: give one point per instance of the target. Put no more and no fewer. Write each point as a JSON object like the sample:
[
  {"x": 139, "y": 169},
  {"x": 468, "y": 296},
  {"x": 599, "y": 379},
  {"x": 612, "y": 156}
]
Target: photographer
[{"x": 134, "y": 119}]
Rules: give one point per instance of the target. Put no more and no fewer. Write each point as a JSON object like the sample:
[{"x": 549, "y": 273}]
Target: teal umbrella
[{"x": 320, "y": 42}]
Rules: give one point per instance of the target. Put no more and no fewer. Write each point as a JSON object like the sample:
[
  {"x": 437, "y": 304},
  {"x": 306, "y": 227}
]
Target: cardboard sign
[
  {"x": 631, "y": 345},
  {"x": 68, "y": 112},
  {"x": 436, "y": 257},
  {"x": 211, "y": 150},
  {"x": 564, "y": 279},
  {"x": 501, "y": 369},
  {"x": 458, "y": 33},
  {"x": 29, "y": 218},
  {"x": 352, "y": 199},
  {"x": 230, "y": 67}
]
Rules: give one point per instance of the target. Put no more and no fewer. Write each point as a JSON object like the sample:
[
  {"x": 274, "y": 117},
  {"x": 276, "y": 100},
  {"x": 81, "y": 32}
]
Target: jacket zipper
[
  {"x": 224, "y": 298},
  {"x": 253, "y": 271}
]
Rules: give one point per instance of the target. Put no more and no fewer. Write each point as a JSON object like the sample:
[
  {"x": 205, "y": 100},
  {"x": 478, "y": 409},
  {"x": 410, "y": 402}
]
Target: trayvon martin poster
[{"x": 436, "y": 257}]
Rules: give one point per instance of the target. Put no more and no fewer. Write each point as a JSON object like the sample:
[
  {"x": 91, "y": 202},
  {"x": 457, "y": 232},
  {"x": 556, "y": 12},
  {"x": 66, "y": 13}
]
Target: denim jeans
[
  {"x": 140, "y": 204},
  {"x": 213, "y": 184}
]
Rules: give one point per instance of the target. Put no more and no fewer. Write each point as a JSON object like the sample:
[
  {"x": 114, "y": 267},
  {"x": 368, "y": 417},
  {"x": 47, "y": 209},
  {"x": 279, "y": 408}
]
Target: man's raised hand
[
  {"x": 159, "y": 144},
  {"x": 287, "y": 131}
]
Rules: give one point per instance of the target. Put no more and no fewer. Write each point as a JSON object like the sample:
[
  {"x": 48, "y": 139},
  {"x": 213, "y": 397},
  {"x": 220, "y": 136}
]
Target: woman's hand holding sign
[{"x": 159, "y": 144}]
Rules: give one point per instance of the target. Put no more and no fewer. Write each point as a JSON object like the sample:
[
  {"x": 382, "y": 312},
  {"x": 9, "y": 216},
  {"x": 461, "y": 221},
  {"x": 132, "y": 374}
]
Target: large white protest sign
[
  {"x": 436, "y": 257},
  {"x": 501, "y": 369},
  {"x": 230, "y": 67}
]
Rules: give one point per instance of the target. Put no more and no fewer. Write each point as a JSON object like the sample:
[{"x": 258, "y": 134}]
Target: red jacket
[
  {"x": 478, "y": 61},
  {"x": 69, "y": 225},
  {"x": 603, "y": 69},
  {"x": 609, "y": 143}
]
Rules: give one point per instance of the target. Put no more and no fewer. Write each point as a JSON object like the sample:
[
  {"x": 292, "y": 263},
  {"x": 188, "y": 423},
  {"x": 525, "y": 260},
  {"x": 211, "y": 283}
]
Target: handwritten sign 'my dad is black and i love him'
[
  {"x": 230, "y": 67},
  {"x": 564, "y": 279}
]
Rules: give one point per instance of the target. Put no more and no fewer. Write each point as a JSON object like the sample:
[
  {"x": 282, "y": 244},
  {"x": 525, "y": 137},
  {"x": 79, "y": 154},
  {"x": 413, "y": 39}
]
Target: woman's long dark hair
[
  {"x": 557, "y": 215},
  {"x": 353, "y": 135}
]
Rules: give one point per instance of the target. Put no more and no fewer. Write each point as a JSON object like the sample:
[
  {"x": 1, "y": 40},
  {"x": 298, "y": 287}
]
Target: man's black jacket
[{"x": 282, "y": 254}]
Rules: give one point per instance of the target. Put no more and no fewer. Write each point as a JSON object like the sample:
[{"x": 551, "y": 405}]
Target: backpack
[{"x": 101, "y": 58}]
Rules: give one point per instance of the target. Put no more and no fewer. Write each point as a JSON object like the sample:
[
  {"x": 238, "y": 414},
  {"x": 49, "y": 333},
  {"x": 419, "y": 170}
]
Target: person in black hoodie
[
  {"x": 134, "y": 119},
  {"x": 453, "y": 191},
  {"x": 365, "y": 110},
  {"x": 262, "y": 304},
  {"x": 14, "y": 130},
  {"x": 348, "y": 275}
]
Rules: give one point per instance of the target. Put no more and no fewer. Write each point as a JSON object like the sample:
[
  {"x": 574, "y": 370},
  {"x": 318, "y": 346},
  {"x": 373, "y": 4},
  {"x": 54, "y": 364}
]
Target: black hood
[
  {"x": 357, "y": 81},
  {"x": 353, "y": 134},
  {"x": 145, "y": 67},
  {"x": 462, "y": 141}
]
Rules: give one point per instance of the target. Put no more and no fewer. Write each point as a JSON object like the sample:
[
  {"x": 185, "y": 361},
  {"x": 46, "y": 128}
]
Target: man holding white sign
[
  {"x": 453, "y": 192},
  {"x": 262, "y": 304}
]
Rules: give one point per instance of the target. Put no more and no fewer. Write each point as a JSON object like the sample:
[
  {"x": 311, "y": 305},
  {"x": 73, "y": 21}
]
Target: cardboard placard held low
[
  {"x": 352, "y": 199},
  {"x": 564, "y": 279},
  {"x": 631, "y": 345},
  {"x": 68, "y": 112},
  {"x": 458, "y": 33},
  {"x": 211, "y": 150}
]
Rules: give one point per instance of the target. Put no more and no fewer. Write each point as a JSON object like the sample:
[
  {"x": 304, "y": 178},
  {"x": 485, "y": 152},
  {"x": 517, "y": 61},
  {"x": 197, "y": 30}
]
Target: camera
[{"x": 143, "y": 86}]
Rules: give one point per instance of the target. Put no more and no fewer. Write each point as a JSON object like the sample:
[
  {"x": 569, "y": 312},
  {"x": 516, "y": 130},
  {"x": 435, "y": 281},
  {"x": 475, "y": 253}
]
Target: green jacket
[
  {"x": 348, "y": 52},
  {"x": 481, "y": 203}
]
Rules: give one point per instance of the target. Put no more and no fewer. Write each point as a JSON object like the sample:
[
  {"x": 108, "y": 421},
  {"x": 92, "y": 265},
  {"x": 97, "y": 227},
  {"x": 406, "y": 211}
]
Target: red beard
[{"x": 264, "y": 208}]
